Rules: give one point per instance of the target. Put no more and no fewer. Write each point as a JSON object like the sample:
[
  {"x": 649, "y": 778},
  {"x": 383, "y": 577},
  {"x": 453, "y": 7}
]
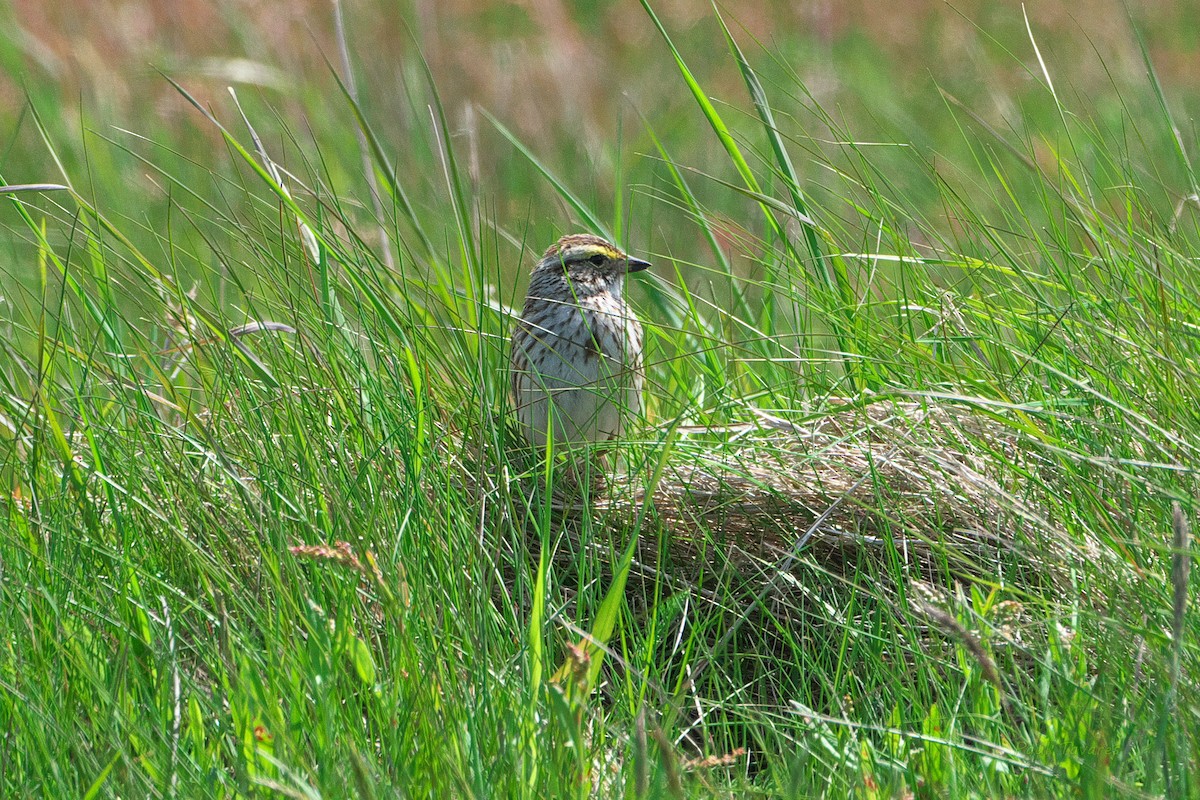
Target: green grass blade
[{"x": 586, "y": 214}]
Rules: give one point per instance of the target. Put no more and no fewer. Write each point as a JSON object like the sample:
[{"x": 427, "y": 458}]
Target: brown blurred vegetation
[
  {"x": 582, "y": 83},
  {"x": 543, "y": 64}
]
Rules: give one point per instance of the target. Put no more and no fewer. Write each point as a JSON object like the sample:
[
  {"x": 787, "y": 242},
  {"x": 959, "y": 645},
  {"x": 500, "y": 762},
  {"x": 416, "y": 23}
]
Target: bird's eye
[{"x": 597, "y": 260}]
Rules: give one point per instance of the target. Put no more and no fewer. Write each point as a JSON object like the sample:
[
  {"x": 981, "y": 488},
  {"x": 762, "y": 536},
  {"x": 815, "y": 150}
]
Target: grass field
[{"x": 911, "y": 513}]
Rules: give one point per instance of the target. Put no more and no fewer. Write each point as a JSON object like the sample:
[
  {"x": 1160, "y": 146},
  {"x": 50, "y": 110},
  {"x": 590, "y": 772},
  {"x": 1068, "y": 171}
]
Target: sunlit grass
[{"x": 900, "y": 520}]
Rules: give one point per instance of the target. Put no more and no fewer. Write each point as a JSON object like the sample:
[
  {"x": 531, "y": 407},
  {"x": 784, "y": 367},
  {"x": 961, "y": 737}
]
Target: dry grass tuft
[{"x": 939, "y": 483}]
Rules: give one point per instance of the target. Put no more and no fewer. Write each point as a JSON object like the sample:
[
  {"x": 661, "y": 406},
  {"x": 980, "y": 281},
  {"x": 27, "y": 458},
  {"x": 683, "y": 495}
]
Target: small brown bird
[{"x": 577, "y": 349}]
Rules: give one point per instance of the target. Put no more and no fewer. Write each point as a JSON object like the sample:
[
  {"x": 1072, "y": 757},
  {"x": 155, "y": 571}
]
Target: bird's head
[{"x": 588, "y": 262}]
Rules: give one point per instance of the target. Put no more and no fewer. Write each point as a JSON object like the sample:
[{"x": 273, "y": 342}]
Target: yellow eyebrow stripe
[{"x": 607, "y": 252}]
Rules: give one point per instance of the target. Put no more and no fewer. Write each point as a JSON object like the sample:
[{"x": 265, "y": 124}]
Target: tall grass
[{"x": 901, "y": 519}]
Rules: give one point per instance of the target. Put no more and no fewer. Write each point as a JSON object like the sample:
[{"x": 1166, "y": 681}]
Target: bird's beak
[{"x": 637, "y": 265}]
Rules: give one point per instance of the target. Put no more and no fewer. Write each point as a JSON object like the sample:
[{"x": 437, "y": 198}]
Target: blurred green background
[{"x": 579, "y": 83}]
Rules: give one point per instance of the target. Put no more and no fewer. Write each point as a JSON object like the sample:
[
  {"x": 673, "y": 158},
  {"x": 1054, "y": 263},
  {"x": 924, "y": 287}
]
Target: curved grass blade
[
  {"x": 590, "y": 219},
  {"x": 395, "y": 189},
  {"x": 716, "y": 123},
  {"x": 725, "y": 136}
]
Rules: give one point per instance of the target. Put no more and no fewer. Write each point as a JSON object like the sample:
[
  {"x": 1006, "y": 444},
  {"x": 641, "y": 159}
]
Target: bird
[{"x": 576, "y": 363}]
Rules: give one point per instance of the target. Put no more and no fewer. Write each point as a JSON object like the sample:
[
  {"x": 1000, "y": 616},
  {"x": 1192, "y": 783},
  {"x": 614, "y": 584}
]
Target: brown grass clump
[{"x": 941, "y": 485}]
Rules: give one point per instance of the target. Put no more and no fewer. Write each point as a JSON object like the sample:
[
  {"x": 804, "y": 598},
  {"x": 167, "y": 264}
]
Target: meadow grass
[{"x": 911, "y": 513}]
